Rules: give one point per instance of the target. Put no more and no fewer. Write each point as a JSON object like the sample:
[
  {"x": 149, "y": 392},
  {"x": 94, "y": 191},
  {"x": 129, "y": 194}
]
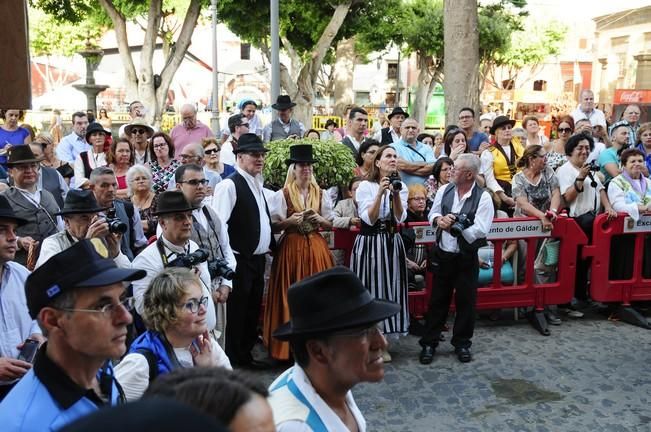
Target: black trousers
[
  {"x": 460, "y": 272},
  {"x": 5, "y": 389},
  {"x": 243, "y": 308}
]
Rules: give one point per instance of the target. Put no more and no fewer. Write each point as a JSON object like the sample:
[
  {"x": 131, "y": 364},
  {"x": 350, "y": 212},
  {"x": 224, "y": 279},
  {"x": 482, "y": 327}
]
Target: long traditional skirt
[
  {"x": 298, "y": 256},
  {"x": 380, "y": 262}
]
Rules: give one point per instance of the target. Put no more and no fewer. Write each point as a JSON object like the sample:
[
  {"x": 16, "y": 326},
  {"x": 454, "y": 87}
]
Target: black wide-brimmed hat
[
  {"x": 92, "y": 268},
  {"x": 7, "y": 212},
  {"x": 398, "y": 110},
  {"x": 249, "y": 143},
  {"x": 172, "y": 202},
  {"x": 80, "y": 201},
  {"x": 499, "y": 122},
  {"x": 331, "y": 300},
  {"x": 95, "y": 127},
  {"x": 300, "y": 153},
  {"x": 283, "y": 102},
  {"x": 20, "y": 154}
]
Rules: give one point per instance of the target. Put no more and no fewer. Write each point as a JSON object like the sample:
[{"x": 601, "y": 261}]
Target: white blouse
[
  {"x": 94, "y": 160},
  {"x": 365, "y": 195},
  {"x": 278, "y": 206}
]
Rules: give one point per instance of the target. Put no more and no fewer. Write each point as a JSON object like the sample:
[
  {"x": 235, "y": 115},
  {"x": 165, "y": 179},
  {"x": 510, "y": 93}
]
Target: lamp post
[
  {"x": 214, "y": 120},
  {"x": 275, "y": 56}
]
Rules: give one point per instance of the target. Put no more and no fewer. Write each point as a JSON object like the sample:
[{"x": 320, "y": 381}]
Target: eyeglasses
[
  {"x": 27, "y": 166},
  {"x": 246, "y": 125},
  {"x": 160, "y": 145},
  {"x": 212, "y": 151},
  {"x": 139, "y": 131},
  {"x": 466, "y": 117},
  {"x": 181, "y": 217},
  {"x": 564, "y": 130},
  {"x": 187, "y": 156},
  {"x": 193, "y": 304},
  {"x": 108, "y": 309},
  {"x": 196, "y": 182}
]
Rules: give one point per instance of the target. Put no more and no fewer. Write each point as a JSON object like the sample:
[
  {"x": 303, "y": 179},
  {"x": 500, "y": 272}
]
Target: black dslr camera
[
  {"x": 115, "y": 225},
  {"x": 189, "y": 260},
  {"x": 219, "y": 268},
  {"x": 395, "y": 181},
  {"x": 461, "y": 222},
  {"x": 593, "y": 166}
]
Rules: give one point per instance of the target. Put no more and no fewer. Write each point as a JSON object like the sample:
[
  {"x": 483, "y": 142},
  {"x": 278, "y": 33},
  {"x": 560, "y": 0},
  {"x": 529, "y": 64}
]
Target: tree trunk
[
  {"x": 461, "y": 35},
  {"x": 344, "y": 69},
  {"x": 424, "y": 89}
]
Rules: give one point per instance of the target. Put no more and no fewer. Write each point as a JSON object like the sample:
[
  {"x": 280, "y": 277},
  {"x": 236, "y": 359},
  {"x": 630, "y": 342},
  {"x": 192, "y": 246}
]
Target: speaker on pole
[{"x": 16, "y": 88}]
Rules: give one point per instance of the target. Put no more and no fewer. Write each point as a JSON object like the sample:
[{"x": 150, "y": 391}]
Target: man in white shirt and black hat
[{"x": 284, "y": 126}]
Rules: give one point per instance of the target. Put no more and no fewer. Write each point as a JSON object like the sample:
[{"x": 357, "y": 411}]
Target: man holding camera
[
  {"x": 463, "y": 214},
  {"x": 174, "y": 248},
  {"x": 210, "y": 233},
  {"x": 121, "y": 215},
  {"x": 14, "y": 331},
  {"x": 81, "y": 216}
]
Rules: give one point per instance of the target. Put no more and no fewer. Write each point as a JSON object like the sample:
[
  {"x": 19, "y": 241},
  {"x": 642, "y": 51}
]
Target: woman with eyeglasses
[
  {"x": 556, "y": 149},
  {"x": 212, "y": 161},
  {"x": 365, "y": 157},
  {"x": 177, "y": 335},
  {"x": 143, "y": 198},
  {"x": 441, "y": 175},
  {"x": 162, "y": 165},
  {"x": 121, "y": 157}
]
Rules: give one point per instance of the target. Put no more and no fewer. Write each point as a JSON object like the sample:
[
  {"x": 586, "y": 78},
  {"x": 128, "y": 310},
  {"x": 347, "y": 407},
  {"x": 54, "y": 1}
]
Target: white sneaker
[{"x": 386, "y": 357}]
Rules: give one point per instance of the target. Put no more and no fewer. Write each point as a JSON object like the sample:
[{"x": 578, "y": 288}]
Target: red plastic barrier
[
  {"x": 601, "y": 288},
  {"x": 497, "y": 295}
]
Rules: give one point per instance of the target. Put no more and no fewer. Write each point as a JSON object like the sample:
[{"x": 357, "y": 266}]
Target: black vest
[
  {"x": 244, "y": 222},
  {"x": 386, "y": 136},
  {"x": 469, "y": 208},
  {"x": 50, "y": 179}
]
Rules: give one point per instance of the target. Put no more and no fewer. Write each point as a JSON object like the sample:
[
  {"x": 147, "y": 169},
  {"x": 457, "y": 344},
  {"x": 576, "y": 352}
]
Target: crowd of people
[{"x": 185, "y": 220}]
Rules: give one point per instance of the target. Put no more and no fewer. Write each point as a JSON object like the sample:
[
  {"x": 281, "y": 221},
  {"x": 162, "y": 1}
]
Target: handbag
[{"x": 547, "y": 257}]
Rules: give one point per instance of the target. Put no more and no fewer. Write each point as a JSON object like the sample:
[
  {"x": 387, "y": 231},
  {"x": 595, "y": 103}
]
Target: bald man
[{"x": 190, "y": 130}]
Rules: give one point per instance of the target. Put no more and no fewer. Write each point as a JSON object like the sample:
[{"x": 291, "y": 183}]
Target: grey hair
[
  {"x": 96, "y": 173},
  {"x": 187, "y": 105},
  {"x": 472, "y": 161},
  {"x": 133, "y": 172},
  {"x": 198, "y": 147}
]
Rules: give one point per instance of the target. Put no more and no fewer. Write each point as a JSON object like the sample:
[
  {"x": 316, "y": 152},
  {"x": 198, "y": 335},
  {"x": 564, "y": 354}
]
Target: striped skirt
[{"x": 380, "y": 262}]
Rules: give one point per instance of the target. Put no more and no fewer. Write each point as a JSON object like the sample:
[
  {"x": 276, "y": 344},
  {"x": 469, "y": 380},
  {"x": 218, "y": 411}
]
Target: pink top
[{"x": 182, "y": 136}]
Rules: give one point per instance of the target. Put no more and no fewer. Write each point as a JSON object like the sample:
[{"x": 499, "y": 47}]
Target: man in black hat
[
  {"x": 81, "y": 217},
  {"x": 284, "y": 126},
  {"x": 240, "y": 202},
  {"x": 336, "y": 344},
  {"x": 84, "y": 314},
  {"x": 391, "y": 134},
  {"x": 36, "y": 206},
  {"x": 175, "y": 219},
  {"x": 19, "y": 325}
]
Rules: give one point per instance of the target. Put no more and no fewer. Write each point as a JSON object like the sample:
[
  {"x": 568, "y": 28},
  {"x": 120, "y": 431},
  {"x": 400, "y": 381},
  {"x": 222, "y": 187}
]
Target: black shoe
[
  {"x": 426, "y": 354},
  {"x": 463, "y": 354}
]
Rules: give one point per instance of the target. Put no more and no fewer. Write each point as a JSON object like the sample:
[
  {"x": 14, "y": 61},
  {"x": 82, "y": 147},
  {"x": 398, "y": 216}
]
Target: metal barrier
[
  {"x": 497, "y": 295},
  {"x": 624, "y": 291}
]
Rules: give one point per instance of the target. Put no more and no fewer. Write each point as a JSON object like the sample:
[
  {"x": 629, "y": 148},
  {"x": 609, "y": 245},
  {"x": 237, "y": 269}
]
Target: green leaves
[{"x": 334, "y": 167}]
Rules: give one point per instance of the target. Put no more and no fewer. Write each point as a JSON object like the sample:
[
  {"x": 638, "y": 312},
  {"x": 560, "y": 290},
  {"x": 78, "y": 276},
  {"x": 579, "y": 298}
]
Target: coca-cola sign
[{"x": 632, "y": 96}]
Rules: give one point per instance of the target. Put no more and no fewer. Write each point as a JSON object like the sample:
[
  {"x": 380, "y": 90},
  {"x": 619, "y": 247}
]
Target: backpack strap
[{"x": 151, "y": 361}]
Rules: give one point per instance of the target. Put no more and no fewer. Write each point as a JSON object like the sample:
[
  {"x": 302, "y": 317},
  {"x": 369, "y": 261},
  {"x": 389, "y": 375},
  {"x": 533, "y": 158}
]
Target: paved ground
[{"x": 589, "y": 375}]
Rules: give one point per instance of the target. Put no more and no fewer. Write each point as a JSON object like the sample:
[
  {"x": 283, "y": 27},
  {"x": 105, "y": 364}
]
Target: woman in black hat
[
  {"x": 93, "y": 158},
  {"x": 299, "y": 209}
]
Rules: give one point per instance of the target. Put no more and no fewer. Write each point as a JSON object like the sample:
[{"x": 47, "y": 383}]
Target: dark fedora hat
[
  {"x": 499, "y": 122},
  {"x": 398, "y": 110},
  {"x": 331, "y": 300},
  {"x": 172, "y": 202},
  {"x": 300, "y": 153},
  {"x": 7, "y": 212},
  {"x": 95, "y": 127},
  {"x": 249, "y": 143},
  {"x": 283, "y": 102},
  {"x": 80, "y": 201},
  {"x": 92, "y": 268},
  {"x": 20, "y": 154}
]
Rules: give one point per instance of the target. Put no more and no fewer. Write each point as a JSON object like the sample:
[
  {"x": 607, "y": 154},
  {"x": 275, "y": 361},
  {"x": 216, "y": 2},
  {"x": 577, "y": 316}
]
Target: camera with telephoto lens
[
  {"x": 461, "y": 222},
  {"x": 395, "y": 181},
  {"x": 189, "y": 260},
  {"x": 219, "y": 268},
  {"x": 593, "y": 166},
  {"x": 115, "y": 225}
]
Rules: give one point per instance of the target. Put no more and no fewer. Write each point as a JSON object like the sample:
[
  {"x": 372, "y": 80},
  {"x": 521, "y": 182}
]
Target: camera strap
[
  {"x": 161, "y": 249},
  {"x": 211, "y": 226}
]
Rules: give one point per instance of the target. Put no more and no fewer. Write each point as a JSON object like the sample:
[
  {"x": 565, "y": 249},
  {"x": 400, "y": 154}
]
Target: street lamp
[
  {"x": 275, "y": 54},
  {"x": 214, "y": 120}
]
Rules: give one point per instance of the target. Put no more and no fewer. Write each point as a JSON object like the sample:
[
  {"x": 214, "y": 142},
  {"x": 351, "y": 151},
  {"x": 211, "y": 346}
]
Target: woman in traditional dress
[
  {"x": 299, "y": 209},
  {"x": 378, "y": 256},
  {"x": 93, "y": 158}
]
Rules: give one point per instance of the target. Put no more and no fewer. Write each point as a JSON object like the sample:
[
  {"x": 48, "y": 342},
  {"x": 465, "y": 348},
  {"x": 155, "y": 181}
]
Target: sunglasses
[
  {"x": 139, "y": 131},
  {"x": 564, "y": 130},
  {"x": 212, "y": 151}
]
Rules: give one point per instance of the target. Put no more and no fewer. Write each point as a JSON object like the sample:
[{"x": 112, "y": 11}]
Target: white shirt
[
  {"x": 619, "y": 201},
  {"x": 224, "y": 198},
  {"x": 278, "y": 206},
  {"x": 59, "y": 242},
  {"x": 133, "y": 371},
  {"x": 352, "y": 139},
  {"x": 395, "y": 136},
  {"x": 596, "y": 116},
  {"x": 35, "y": 199},
  {"x": 330, "y": 419},
  {"x": 226, "y": 154},
  {"x": 486, "y": 170},
  {"x": 365, "y": 195},
  {"x": 596, "y": 151},
  {"x": 585, "y": 201},
  {"x": 94, "y": 160},
  {"x": 481, "y": 225},
  {"x": 151, "y": 261}
]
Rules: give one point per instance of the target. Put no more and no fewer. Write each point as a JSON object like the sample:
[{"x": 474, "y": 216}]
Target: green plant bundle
[{"x": 334, "y": 167}]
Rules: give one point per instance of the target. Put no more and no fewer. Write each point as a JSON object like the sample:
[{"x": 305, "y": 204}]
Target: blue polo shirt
[
  {"x": 419, "y": 154},
  {"x": 475, "y": 141}
]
